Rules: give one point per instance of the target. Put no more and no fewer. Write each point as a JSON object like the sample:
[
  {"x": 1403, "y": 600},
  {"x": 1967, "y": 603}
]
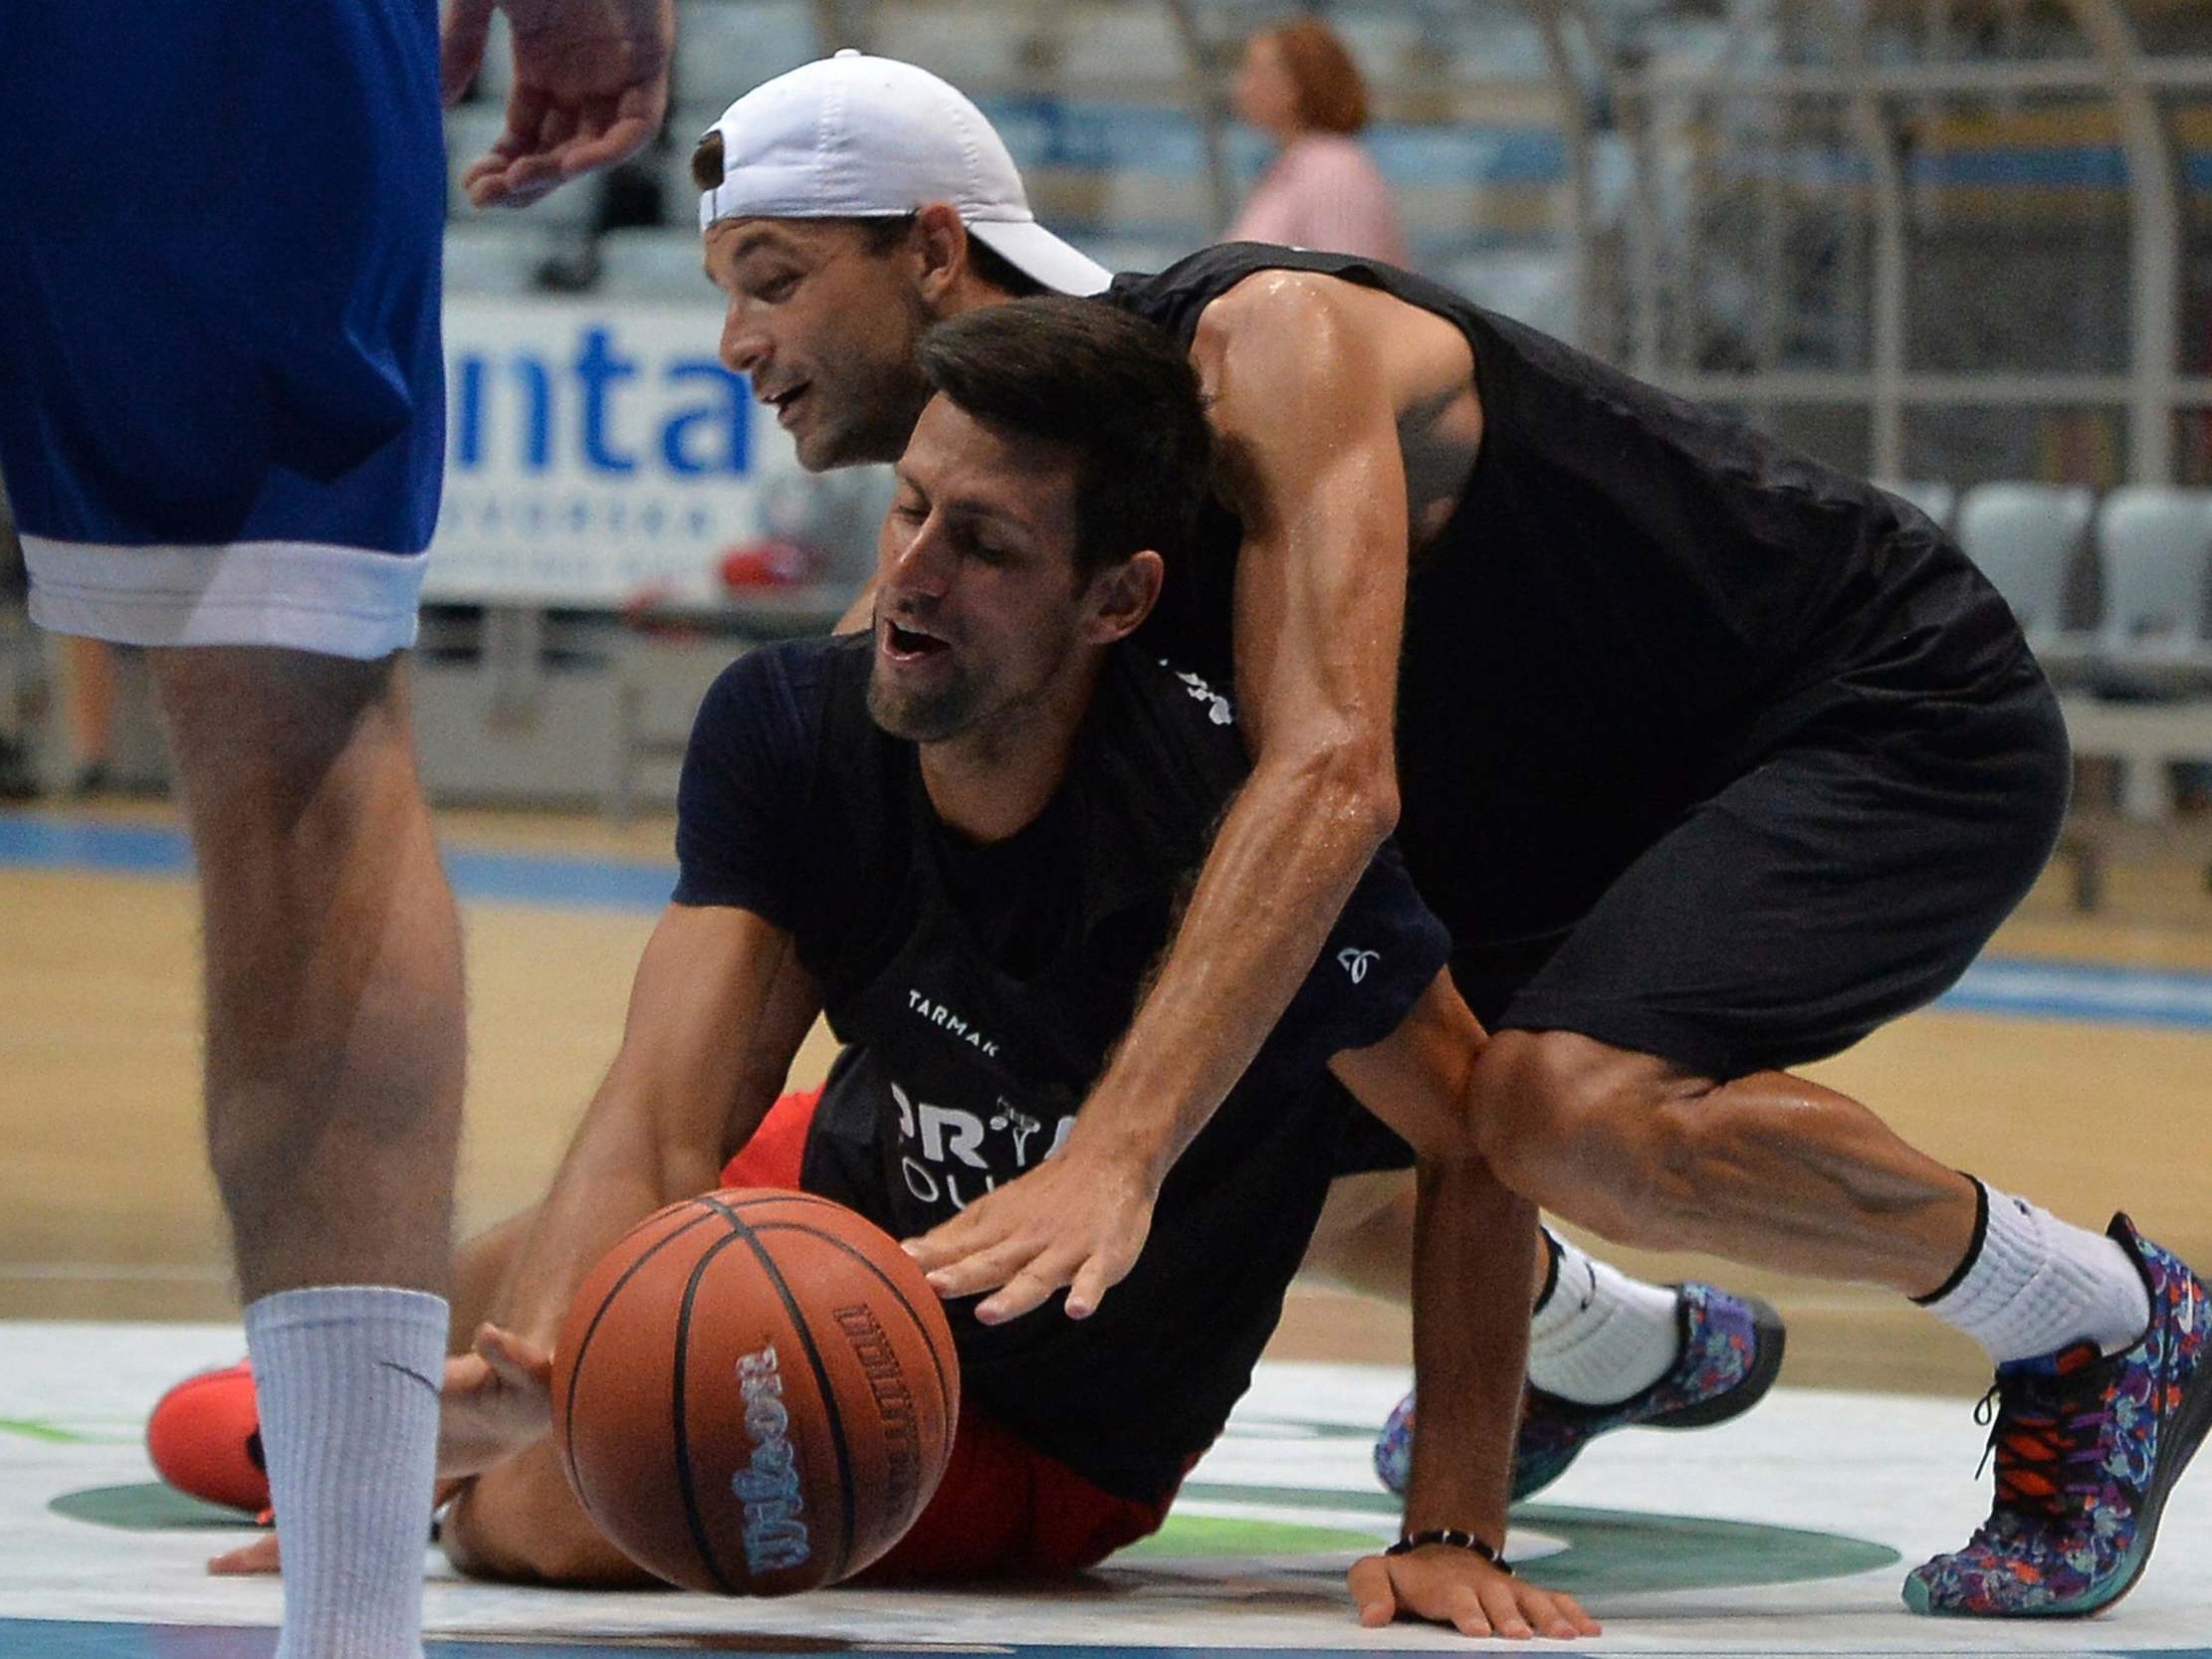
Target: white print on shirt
[
  {"x": 1356, "y": 961},
  {"x": 940, "y": 1015},
  {"x": 1218, "y": 707},
  {"x": 946, "y": 1156}
]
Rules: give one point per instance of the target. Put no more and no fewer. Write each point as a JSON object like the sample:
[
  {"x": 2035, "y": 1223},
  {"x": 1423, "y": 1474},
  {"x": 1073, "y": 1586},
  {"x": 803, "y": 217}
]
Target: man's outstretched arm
[
  {"x": 717, "y": 1012},
  {"x": 1307, "y": 431},
  {"x": 1474, "y": 1251}
]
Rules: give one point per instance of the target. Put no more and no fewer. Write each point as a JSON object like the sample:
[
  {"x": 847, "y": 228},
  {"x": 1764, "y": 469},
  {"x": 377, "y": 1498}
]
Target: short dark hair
[
  {"x": 885, "y": 233},
  {"x": 1113, "y": 388}
]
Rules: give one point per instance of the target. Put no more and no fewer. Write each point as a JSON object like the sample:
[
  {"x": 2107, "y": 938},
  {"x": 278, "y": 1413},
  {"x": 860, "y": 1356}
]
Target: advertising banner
[{"x": 597, "y": 455}]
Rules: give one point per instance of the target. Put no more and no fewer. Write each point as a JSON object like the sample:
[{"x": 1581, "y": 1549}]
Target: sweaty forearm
[
  {"x": 1474, "y": 1252},
  {"x": 1288, "y": 853}
]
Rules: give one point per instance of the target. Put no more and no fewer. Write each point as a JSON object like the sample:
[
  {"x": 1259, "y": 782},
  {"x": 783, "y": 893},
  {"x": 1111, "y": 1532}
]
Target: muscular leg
[
  {"x": 1364, "y": 1241},
  {"x": 335, "y": 1002},
  {"x": 1768, "y": 1169},
  {"x": 334, "y": 1077},
  {"x": 1607, "y": 1338}
]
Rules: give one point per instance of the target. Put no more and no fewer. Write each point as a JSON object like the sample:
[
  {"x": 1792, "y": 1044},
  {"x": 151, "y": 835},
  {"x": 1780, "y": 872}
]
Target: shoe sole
[
  {"x": 1731, "y": 1403},
  {"x": 2187, "y": 1429},
  {"x": 1749, "y": 1389}
]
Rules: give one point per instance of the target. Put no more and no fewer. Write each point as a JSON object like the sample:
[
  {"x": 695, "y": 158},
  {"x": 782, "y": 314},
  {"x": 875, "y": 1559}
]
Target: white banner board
[{"x": 597, "y": 455}]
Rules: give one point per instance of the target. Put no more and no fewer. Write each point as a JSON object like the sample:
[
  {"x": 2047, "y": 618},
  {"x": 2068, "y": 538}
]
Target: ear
[
  {"x": 941, "y": 240},
  {"x": 1121, "y": 596}
]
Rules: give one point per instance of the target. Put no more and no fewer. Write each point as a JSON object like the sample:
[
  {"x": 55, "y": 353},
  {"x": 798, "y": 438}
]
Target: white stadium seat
[{"x": 2024, "y": 537}]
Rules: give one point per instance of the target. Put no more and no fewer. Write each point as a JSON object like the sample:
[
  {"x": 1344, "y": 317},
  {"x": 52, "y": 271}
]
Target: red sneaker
[{"x": 204, "y": 1438}]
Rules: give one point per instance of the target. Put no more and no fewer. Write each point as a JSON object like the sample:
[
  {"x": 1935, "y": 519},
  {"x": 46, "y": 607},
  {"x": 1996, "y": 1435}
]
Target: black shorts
[{"x": 1848, "y": 878}]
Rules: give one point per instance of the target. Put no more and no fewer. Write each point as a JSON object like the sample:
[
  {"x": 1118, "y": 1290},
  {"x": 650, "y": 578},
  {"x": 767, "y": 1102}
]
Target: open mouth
[
  {"x": 783, "y": 402},
  {"x": 908, "y": 645}
]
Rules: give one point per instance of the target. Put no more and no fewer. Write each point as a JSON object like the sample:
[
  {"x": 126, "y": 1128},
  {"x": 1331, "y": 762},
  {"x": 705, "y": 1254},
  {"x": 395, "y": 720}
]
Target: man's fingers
[
  {"x": 461, "y": 46},
  {"x": 984, "y": 1268},
  {"x": 1563, "y": 1615},
  {"x": 1369, "y": 1583},
  {"x": 591, "y": 151},
  {"x": 1464, "y": 1610},
  {"x": 1024, "y": 1291},
  {"x": 258, "y": 1556},
  {"x": 1100, "y": 1274},
  {"x": 1501, "y": 1609},
  {"x": 517, "y": 1363},
  {"x": 949, "y": 1241}
]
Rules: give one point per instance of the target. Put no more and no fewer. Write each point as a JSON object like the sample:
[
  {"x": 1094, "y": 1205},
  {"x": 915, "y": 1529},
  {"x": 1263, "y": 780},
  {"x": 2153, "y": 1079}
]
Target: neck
[{"x": 989, "y": 783}]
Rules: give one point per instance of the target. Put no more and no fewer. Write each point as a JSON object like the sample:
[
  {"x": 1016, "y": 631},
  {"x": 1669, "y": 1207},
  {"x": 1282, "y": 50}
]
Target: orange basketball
[{"x": 755, "y": 1392}]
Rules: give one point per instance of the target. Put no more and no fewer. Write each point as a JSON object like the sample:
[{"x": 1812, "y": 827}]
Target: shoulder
[
  {"x": 788, "y": 674},
  {"x": 1283, "y": 311},
  {"x": 1167, "y": 737}
]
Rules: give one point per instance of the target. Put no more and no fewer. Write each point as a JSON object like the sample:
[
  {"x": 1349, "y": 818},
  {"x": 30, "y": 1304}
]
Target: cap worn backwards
[{"x": 862, "y": 138}]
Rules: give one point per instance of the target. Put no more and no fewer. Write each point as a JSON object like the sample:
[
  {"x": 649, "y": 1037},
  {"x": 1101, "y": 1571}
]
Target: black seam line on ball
[
  {"x": 833, "y": 1417},
  {"x": 944, "y": 1388},
  {"x": 676, "y": 1399},
  {"x": 584, "y": 1344}
]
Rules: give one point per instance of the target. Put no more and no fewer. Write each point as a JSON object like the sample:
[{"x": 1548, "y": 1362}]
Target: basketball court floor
[{"x": 2073, "y": 1064}]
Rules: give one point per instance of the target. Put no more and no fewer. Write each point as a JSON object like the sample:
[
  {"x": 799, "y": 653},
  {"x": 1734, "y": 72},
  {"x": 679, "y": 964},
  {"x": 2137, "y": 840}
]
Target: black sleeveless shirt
[
  {"x": 980, "y": 990},
  {"x": 1635, "y": 600}
]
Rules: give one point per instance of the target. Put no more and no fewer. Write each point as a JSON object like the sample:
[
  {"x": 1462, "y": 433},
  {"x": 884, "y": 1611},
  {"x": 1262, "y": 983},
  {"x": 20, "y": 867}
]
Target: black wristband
[{"x": 1456, "y": 1539}]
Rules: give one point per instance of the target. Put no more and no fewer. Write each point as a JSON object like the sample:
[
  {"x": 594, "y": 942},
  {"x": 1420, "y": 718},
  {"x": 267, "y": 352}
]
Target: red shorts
[{"x": 1004, "y": 1509}]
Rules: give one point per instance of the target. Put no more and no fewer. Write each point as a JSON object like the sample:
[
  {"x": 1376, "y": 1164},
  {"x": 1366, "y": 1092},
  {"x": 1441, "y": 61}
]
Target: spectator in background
[{"x": 1299, "y": 84}]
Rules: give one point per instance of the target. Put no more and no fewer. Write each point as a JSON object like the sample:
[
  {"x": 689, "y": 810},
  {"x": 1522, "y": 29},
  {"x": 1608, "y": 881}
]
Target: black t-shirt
[
  {"x": 981, "y": 988},
  {"x": 1635, "y": 602}
]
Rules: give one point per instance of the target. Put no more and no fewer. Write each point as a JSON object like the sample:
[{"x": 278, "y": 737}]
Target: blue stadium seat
[
  {"x": 724, "y": 48},
  {"x": 975, "y": 46},
  {"x": 490, "y": 257},
  {"x": 660, "y": 264}
]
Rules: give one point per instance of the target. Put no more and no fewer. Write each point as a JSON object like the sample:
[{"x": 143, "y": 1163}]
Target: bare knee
[{"x": 1600, "y": 1135}]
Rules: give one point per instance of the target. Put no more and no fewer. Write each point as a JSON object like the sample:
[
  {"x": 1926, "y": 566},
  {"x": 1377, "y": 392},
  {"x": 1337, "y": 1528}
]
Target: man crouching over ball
[{"x": 964, "y": 837}]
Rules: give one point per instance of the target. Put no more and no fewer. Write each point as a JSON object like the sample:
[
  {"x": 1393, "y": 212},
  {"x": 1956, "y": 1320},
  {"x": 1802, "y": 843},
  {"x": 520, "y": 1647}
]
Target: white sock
[
  {"x": 1599, "y": 1335},
  {"x": 2032, "y": 1284},
  {"x": 346, "y": 1378}
]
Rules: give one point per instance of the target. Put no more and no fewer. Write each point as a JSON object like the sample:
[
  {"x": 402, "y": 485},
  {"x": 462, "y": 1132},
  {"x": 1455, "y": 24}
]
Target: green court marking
[
  {"x": 148, "y": 1507},
  {"x": 1607, "y": 1550},
  {"x": 32, "y": 1428},
  {"x": 1209, "y": 1535}
]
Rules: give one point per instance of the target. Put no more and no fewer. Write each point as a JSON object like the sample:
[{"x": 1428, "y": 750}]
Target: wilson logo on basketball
[
  {"x": 774, "y": 1534},
  {"x": 879, "y": 1362}
]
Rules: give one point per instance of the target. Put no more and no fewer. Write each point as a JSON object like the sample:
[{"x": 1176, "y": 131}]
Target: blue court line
[
  {"x": 2012, "y": 986},
  {"x": 507, "y": 878}
]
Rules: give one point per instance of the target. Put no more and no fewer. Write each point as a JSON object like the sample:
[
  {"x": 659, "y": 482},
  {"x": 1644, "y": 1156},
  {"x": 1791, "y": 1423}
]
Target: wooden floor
[{"x": 106, "y": 1209}]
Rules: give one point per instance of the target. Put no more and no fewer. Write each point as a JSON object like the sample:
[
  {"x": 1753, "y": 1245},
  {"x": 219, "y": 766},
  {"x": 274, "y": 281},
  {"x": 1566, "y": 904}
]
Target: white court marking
[{"x": 1894, "y": 1470}]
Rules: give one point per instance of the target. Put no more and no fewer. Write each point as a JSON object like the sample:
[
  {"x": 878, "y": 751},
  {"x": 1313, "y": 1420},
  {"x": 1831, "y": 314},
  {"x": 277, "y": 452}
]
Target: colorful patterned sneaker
[
  {"x": 204, "y": 1439},
  {"x": 2088, "y": 1447},
  {"x": 1731, "y": 1350}
]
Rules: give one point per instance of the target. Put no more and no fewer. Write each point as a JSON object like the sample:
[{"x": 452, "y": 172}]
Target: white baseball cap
[{"x": 860, "y": 137}]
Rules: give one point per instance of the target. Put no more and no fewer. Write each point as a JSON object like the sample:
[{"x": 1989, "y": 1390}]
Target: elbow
[{"x": 1350, "y": 786}]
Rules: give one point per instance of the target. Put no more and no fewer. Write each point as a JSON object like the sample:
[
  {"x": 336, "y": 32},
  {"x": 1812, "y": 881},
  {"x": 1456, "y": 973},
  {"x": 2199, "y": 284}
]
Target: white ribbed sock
[
  {"x": 1600, "y": 1336},
  {"x": 346, "y": 1377},
  {"x": 2034, "y": 1284}
]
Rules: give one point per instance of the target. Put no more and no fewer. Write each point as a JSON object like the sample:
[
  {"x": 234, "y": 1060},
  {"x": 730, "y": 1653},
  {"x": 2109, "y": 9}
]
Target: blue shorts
[{"x": 223, "y": 420}]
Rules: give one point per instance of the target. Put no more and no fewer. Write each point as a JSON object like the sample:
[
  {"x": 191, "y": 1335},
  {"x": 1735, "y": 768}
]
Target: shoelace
[{"x": 2048, "y": 1437}]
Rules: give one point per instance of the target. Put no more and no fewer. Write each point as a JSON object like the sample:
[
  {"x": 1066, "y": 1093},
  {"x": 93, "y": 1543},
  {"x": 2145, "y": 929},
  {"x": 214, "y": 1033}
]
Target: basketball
[{"x": 755, "y": 1392}]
